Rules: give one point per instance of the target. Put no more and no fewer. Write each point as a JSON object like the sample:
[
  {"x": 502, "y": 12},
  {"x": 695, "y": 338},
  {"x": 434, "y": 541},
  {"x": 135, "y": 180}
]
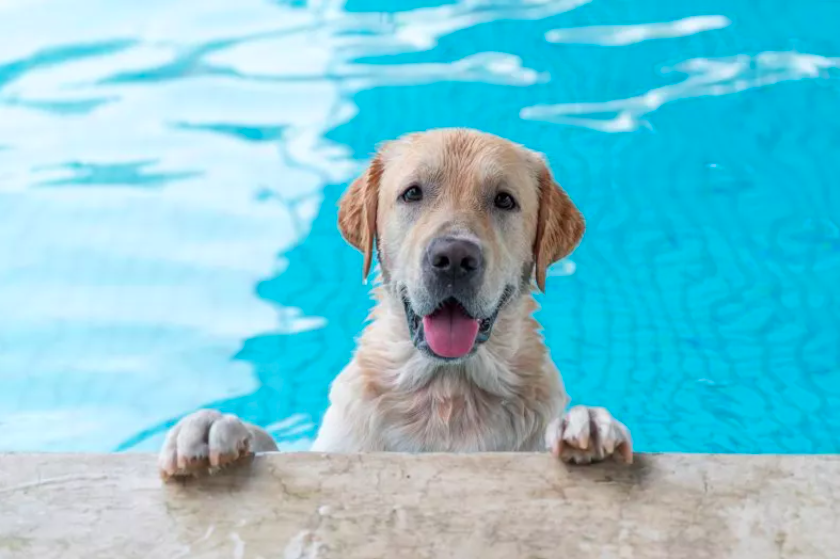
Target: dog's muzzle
[
  {"x": 450, "y": 332},
  {"x": 451, "y": 322}
]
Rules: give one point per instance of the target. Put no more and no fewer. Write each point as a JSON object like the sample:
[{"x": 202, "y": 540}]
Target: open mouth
[{"x": 450, "y": 332}]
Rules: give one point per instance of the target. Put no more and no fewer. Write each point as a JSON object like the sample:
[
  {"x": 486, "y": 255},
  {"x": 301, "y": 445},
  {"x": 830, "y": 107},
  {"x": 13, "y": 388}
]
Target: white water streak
[
  {"x": 705, "y": 77},
  {"x": 620, "y": 35}
]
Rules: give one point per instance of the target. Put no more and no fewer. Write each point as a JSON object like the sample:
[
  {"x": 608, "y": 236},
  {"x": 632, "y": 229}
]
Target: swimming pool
[{"x": 169, "y": 172}]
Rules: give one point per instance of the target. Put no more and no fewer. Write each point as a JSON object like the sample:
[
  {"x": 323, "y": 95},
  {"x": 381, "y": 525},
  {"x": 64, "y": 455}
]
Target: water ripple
[
  {"x": 705, "y": 77},
  {"x": 169, "y": 173},
  {"x": 621, "y": 35}
]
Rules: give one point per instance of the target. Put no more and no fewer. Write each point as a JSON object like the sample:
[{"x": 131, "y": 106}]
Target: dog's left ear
[
  {"x": 357, "y": 212},
  {"x": 560, "y": 225}
]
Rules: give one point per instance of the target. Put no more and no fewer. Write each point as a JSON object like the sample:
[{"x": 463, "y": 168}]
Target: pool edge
[{"x": 307, "y": 505}]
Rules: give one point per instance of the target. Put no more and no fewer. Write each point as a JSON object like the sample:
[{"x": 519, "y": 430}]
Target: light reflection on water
[{"x": 169, "y": 172}]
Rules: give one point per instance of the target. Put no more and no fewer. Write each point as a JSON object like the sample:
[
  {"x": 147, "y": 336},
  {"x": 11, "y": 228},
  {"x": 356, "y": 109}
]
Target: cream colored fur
[{"x": 508, "y": 395}]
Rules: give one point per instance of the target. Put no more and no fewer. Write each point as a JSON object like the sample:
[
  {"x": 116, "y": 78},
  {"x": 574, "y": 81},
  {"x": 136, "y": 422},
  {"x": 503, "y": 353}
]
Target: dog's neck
[{"x": 504, "y": 365}]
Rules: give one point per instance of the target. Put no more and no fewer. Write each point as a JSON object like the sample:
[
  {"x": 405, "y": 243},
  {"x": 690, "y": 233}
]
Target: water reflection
[
  {"x": 620, "y": 35},
  {"x": 704, "y": 77},
  {"x": 169, "y": 172}
]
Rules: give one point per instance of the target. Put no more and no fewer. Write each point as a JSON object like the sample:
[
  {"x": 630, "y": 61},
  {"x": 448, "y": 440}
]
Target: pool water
[{"x": 169, "y": 172}]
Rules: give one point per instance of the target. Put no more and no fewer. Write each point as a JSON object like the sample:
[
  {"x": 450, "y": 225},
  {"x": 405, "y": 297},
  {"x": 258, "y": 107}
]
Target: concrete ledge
[{"x": 491, "y": 506}]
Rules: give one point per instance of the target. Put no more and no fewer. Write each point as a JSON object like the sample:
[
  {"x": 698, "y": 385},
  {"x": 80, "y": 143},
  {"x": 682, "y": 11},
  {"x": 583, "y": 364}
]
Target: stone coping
[{"x": 487, "y": 506}]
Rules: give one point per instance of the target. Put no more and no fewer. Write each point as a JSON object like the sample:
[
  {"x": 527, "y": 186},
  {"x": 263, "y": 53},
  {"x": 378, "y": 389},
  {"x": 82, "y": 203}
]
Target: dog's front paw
[
  {"x": 203, "y": 442},
  {"x": 585, "y": 435}
]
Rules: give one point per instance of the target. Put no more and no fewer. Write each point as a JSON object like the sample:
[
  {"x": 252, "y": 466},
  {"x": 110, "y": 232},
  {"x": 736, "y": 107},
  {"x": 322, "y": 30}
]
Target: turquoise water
[{"x": 169, "y": 172}]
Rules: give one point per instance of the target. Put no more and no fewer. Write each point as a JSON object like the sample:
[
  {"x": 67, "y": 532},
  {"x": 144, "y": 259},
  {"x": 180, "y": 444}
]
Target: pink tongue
[{"x": 450, "y": 332}]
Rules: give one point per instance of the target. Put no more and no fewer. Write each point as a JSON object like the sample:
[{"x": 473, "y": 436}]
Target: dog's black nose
[{"x": 454, "y": 259}]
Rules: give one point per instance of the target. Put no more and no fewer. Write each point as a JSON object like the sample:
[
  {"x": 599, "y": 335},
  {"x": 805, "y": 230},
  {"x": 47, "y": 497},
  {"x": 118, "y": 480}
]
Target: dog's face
[{"x": 461, "y": 220}]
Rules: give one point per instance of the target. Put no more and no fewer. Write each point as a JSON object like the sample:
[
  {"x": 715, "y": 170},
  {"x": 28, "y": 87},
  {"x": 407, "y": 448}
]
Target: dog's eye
[
  {"x": 504, "y": 201},
  {"x": 412, "y": 194}
]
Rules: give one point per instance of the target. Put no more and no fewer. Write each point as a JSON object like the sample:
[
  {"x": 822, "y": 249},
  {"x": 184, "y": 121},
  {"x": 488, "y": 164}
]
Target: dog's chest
[{"x": 453, "y": 415}]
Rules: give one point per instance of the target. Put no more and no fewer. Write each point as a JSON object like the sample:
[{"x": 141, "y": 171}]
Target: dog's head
[{"x": 461, "y": 221}]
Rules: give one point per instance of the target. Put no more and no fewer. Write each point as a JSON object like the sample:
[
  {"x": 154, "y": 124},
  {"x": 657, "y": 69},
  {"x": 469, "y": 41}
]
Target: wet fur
[{"x": 391, "y": 397}]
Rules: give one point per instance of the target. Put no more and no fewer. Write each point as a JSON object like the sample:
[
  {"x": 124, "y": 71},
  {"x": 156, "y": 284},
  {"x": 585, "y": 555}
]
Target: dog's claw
[
  {"x": 626, "y": 452},
  {"x": 583, "y": 441}
]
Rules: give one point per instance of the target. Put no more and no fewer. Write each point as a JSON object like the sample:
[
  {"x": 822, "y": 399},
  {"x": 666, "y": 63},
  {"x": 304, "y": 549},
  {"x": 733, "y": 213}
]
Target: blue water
[{"x": 169, "y": 172}]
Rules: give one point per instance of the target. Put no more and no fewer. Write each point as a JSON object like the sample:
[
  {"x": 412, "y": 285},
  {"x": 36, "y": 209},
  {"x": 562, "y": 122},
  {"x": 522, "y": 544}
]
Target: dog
[{"x": 464, "y": 223}]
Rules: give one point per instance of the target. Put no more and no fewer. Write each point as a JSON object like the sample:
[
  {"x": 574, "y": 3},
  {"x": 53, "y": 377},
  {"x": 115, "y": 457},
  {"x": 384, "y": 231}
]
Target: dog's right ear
[{"x": 357, "y": 212}]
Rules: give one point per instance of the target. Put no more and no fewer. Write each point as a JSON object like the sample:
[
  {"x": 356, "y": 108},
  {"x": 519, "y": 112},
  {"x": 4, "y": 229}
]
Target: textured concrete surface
[{"x": 296, "y": 506}]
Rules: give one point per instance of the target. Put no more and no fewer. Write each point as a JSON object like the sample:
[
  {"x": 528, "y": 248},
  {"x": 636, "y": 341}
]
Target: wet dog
[{"x": 464, "y": 224}]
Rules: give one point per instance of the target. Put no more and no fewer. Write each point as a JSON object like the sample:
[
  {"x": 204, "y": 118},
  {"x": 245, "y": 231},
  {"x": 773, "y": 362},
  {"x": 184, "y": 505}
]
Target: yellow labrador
[{"x": 463, "y": 223}]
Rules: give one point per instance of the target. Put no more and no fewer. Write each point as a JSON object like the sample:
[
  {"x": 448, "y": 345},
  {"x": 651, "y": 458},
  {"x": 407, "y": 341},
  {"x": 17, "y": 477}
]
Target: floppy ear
[
  {"x": 357, "y": 212},
  {"x": 559, "y": 225}
]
